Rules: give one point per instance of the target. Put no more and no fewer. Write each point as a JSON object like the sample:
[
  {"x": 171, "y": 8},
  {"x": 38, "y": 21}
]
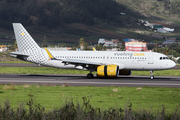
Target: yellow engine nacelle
[
  {"x": 124, "y": 72},
  {"x": 107, "y": 71}
]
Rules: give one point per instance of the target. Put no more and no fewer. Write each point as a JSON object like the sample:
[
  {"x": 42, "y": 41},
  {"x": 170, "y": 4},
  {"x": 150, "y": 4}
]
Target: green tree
[
  {"x": 178, "y": 61},
  {"x": 86, "y": 46},
  {"x": 45, "y": 44},
  {"x": 99, "y": 47},
  {"x": 81, "y": 43},
  {"x": 173, "y": 53},
  {"x": 15, "y": 45}
]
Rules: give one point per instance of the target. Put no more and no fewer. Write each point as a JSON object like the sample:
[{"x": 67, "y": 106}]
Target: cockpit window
[{"x": 164, "y": 58}]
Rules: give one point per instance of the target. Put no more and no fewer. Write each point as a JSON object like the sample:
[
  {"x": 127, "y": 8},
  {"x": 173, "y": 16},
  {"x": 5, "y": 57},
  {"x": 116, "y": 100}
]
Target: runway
[{"x": 81, "y": 80}]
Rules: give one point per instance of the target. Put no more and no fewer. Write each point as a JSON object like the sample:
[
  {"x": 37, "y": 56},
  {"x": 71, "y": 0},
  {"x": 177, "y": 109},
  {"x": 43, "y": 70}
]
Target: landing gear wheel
[
  {"x": 151, "y": 76},
  {"x": 89, "y": 76}
]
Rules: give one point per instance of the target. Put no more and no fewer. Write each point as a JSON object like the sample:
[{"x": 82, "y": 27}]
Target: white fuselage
[{"x": 124, "y": 59}]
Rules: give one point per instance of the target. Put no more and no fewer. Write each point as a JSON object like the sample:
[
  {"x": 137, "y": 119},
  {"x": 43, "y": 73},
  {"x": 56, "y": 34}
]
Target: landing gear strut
[
  {"x": 90, "y": 75},
  {"x": 151, "y": 76}
]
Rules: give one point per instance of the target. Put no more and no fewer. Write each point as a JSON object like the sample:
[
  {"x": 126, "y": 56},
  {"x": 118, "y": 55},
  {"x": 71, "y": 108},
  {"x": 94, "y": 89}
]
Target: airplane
[{"x": 105, "y": 63}]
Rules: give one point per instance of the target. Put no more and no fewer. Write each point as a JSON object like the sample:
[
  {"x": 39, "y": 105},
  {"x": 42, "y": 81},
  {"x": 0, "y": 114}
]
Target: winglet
[
  {"x": 94, "y": 49},
  {"x": 49, "y": 54}
]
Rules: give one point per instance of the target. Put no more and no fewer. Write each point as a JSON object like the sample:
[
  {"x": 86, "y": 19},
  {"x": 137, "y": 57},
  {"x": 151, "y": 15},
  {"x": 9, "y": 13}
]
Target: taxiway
[{"x": 81, "y": 80}]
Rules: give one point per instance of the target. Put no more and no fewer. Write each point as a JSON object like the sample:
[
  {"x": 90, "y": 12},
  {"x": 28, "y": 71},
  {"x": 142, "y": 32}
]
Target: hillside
[
  {"x": 159, "y": 10},
  {"x": 68, "y": 20}
]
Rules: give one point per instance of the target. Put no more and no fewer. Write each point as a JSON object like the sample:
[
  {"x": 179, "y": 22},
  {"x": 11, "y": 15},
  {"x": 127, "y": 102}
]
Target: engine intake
[{"x": 107, "y": 71}]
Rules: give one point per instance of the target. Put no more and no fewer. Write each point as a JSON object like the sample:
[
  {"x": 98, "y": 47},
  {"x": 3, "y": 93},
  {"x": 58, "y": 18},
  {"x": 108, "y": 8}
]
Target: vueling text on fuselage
[
  {"x": 129, "y": 54},
  {"x": 123, "y": 54},
  {"x": 138, "y": 54}
]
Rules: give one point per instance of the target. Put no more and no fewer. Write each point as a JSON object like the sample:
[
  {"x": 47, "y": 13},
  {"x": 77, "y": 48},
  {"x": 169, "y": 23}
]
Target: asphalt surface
[
  {"x": 19, "y": 65},
  {"x": 81, "y": 80}
]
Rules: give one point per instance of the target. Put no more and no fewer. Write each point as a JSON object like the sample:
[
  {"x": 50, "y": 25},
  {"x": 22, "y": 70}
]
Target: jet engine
[
  {"x": 107, "y": 71},
  {"x": 124, "y": 72}
]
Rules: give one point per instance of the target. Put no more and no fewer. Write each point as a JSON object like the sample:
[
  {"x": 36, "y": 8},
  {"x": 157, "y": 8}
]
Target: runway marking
[{"x": 164, "y": 84}]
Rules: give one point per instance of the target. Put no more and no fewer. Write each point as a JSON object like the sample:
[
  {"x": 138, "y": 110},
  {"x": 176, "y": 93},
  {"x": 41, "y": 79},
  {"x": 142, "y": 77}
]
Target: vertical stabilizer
[
  {"x": 27, "y": 47},
  {"x": 24, "y": 40}
]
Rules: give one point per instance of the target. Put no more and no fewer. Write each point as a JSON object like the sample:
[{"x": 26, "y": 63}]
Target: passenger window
[
  {"x": 164, "y": 58},
  {"x": 160, "y": 58}
]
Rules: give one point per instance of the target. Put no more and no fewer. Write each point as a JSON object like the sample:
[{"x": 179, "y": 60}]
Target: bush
[
  {"x": 71, "y": 111},
  {"x": 178, "y": 61}
]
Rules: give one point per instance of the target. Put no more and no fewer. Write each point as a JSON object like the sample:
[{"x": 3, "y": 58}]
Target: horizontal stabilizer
[{"x": 18, "y": 53}]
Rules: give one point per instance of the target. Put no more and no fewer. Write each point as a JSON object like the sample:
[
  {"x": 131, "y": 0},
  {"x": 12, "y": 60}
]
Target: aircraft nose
[{"x": 173, "y": 64}]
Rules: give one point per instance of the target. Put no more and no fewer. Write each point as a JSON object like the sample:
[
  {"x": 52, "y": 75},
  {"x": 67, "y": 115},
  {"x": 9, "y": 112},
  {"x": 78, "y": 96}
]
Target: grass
[
  {"x": 50, "y": 97},
  {"x": 49, "y": 70}
]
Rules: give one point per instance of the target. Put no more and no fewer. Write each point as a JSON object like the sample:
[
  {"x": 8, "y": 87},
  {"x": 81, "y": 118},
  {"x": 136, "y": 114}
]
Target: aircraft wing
[
  {"x": 84, "y": 62},
  {"x": 73, "y": 61}
]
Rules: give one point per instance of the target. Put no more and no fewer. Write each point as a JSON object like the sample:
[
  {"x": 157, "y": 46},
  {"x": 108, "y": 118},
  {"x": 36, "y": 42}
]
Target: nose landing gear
[{"x": 151, "y": 76}]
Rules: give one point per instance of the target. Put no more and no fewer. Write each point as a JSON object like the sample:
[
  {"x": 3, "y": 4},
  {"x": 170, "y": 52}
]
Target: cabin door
[{"x": 151, "y": 58}]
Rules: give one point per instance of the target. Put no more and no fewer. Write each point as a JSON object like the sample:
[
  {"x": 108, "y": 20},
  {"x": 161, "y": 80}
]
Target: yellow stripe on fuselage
[
  {"x": 50, "y": 56},
  {"x": 94, "y": 49}
]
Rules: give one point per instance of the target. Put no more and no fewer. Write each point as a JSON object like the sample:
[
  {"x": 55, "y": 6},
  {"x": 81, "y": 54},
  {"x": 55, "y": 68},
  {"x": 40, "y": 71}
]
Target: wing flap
[{"x": 73, "y": 61}]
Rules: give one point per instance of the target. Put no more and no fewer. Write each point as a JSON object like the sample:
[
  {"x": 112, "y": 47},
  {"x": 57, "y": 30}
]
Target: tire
[{"x": 89, "y": 76}]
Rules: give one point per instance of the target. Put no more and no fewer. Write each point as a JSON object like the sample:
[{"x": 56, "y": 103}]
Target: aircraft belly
[{"x": 59, "y": 64}]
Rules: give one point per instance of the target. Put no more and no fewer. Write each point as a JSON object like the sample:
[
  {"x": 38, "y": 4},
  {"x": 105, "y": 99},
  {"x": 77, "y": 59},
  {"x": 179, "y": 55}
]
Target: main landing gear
[
  {"x": 90, "y": 75},
  {"x": 151, "y": 76}
]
